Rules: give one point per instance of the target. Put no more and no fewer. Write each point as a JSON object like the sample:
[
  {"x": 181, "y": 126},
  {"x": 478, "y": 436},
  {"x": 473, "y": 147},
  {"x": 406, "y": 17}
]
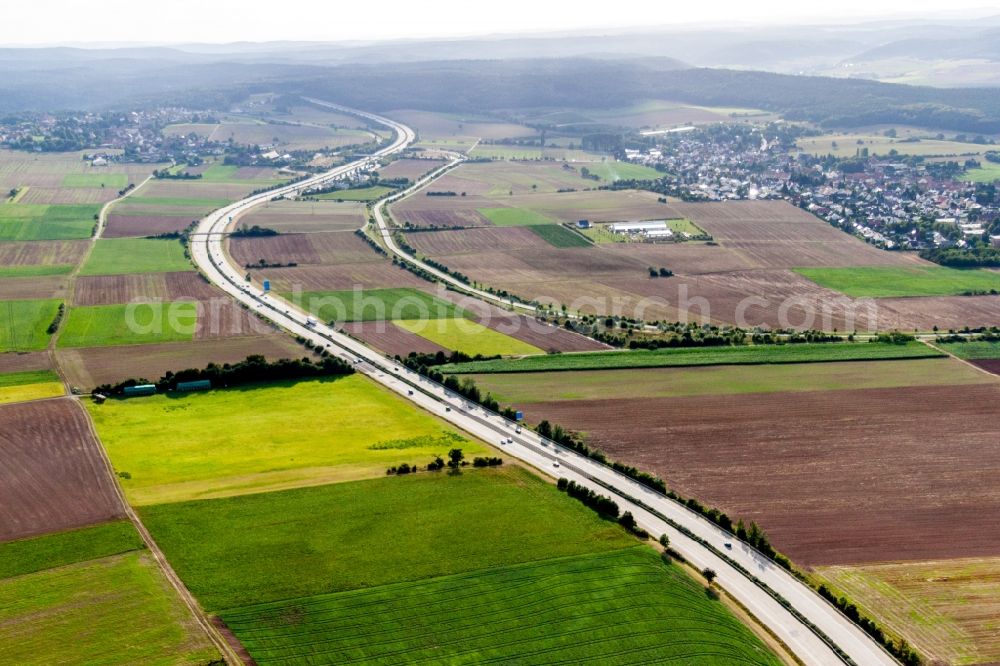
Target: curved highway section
[{"x": 750, "y": 578}]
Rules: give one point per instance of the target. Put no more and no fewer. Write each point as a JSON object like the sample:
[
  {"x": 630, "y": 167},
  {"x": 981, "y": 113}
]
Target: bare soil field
[
  {"x": 196, "y": 189},
  {"x": 776, "y": 234},
  {"x": 87, "y": 368},
  {"x": 24, "y": 361},
  {"x": 125, "y": 226},
  {"x": 110, "y": 289},
  {"x": 421, "y": 210},
  {"x": 835, "y": 477},
  {"x": 335, "y": 247},
  {"x": 307, "y": 216},
  {"x": 480, "y": 239},
  {"x": 989, "y": 365},
  {"x": 596, "y": 206},
  {"x": 74, "y": 195},
  {"x": 503, "y": 178},
  {"x": 364, "y": 275},
  {"x": 34, "y": 253},
  {"x": 50, "y": 286},
  {"x": 411, "y": 169},
  {"x": 54, "y": 478},
  {"x": 945, "y": 312},
  {"x": 389, "y": 338}
]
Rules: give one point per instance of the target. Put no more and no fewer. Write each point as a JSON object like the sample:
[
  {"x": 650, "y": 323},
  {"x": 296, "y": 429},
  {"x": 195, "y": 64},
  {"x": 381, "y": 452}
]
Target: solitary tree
[
  {"x": 709, "y": 574},
  {"x": 455, "y": 457}
]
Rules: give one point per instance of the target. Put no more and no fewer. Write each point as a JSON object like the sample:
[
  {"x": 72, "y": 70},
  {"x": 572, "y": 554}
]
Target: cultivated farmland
[
  {"x": 132, "y": 324},
  {"x": 61, "y": 548},
  {"x": 556, "y": 608},
  {"x": 29, "y": 385},
  {"x": 82, "y": 613},
  {"x": 875, "y": 282},
  {"x": 23, "y": 324},
  {"x": 697, "y": 356},
  {"x": 55, "y": 476},
  {"x": 813, "y": 482},
  {"x": 467, "y": 336},
  {"x": 307, "y": 216},
  {"x": 30, "y": 222},
  {"x": 270, "y": 546},
  {"x": 374, "y": 305},
  {"x": 135, "y": 255},
  {"x": 946, "y": 608},
  {"x": 282, "y": 444}
]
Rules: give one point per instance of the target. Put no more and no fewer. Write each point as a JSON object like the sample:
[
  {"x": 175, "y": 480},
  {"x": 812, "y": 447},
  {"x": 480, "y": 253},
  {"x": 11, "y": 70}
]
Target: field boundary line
[
  {"x": 222, "y": 645},
  {"x": 959, "y": 359}
]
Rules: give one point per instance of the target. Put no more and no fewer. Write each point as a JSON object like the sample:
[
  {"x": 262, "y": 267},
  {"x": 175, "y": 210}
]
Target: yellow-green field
[
  {"x": 467, "y": 336},
  {"x": 30, "y": 385},
  {"x": 847, "y": 145},
  {"x": 947, "y": 609},
  {"x": 284, "y": 435}
]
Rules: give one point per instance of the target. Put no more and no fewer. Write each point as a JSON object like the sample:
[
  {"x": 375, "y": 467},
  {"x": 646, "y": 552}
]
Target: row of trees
[{"x": 254, "y": 369}]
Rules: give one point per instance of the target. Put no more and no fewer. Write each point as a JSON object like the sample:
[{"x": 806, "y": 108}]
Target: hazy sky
[{"x": 145, "y": 21}]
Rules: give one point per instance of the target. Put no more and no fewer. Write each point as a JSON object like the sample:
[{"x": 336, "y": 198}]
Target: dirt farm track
[
  {"x": 56, "y": 478},
  {"x": 836, "y": 477}
]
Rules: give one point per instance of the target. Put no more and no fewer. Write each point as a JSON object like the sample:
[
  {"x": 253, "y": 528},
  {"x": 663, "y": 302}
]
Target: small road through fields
[{"x": 767, "y": 591}]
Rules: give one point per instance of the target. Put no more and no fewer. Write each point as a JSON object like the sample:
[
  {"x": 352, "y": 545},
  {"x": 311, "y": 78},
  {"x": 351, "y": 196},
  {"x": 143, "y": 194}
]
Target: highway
[{"x": 649, "y": 508}]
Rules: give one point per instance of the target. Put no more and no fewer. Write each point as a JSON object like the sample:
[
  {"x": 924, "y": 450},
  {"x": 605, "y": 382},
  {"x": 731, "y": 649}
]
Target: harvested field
[
  {"x": 947, "y": 609},
  {"x": 283, "y": 136},
  {"x": 483, "y": 239},
  {"x": 339, "y": 247},
  {"x": 125, "y": 226},
  {"x": 115, "y": 289},
  {"x": 91, "y": 367},
  {"x": 38, "y": 253},
  {"x": 411, "y": 169},
  {"x": 420, "y": 210},
  {"x": 307, "y": 216},
  {"x": 27, "y": 288},
  {"x": 364, "y": 275},
  {"x": 776, "y": 234},
  {"x": 355, "y": 194},
  {"x": 389, "y": 338},
  {"x": 846, "y": 477},
  {"x": 55, "y": 478},
  {"x": 945, "y": 312},
  {"x": 501, "y": 179}
]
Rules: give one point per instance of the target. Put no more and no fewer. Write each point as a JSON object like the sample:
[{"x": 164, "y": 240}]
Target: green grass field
[
  {"x": 117, "y": 256},
  {"x": 23, "y": 324},
  {"x": 39, "y": 270},
  {"x": 557, "y": 235},
  {"x": 514, "y": 217},
  {"x": 987, "y": 173},
  {"x": 129, "y": 324},
  {"x": 375, "y": 305},
  {"x": 693, "y": 356},
  {"x": 521, "y": 388},
  {"x": 623, "y": 171},
  {"x": 885, "y": 281},
  {"x": 295, "y": 434},
  {"x": 467, "y": 336},
  {"x": 360, "y": 194},
  {"x": 55, "y": 550},
  {"x": 29, "y": 385},
  {"x": 115, "y": 610},
  {"x": 976, "y": 350},
  {"x": 270, "y": 546},
  {"x": 27, "y": 222},
  {"x": 553, "y": 611},
  {"x": 116, "y": 181},
  {"x": 507, "y": 152}
]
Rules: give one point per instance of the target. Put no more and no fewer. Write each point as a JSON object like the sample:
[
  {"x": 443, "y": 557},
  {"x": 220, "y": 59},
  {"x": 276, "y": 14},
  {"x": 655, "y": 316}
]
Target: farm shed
[
  {"x": 140, "y": 389},
  {"x": 197, "y": 385}
]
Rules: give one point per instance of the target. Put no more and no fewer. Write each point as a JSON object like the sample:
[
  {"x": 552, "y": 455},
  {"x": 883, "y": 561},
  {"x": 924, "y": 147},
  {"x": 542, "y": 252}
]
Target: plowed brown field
[
  {"x": 54, "y": 476},
  {"x": 835, "y": 477},
  {"x": 124, "y": 226},
  {"x": 391, "y": 339}
]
